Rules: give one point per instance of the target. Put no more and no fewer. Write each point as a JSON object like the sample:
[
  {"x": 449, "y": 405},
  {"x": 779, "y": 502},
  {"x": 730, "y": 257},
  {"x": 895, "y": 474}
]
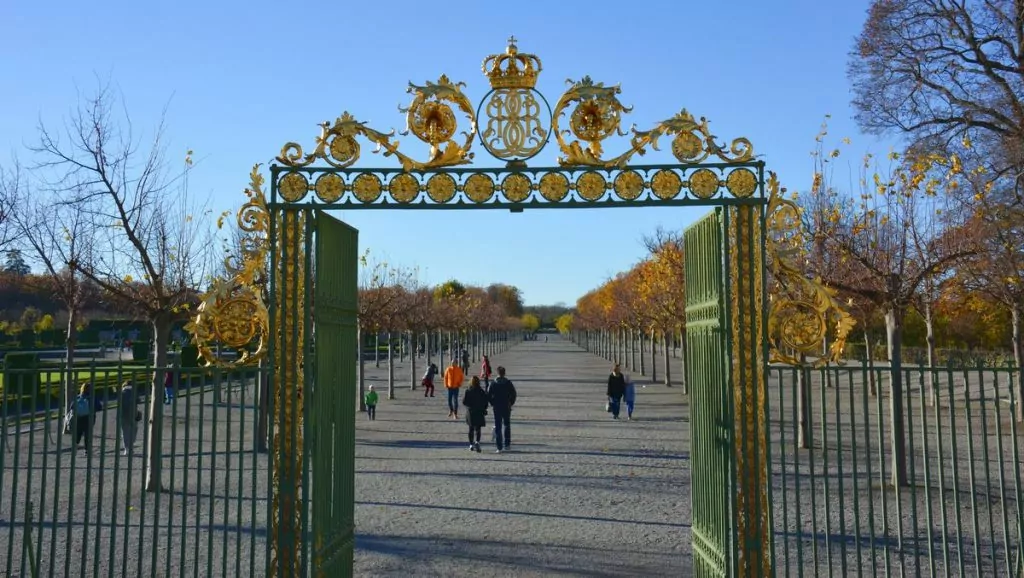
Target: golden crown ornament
[{"x": 512, "y": 69}]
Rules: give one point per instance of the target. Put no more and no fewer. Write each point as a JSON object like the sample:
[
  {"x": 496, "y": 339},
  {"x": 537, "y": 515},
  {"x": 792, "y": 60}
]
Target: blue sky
[{"x": 239, "y": 79}]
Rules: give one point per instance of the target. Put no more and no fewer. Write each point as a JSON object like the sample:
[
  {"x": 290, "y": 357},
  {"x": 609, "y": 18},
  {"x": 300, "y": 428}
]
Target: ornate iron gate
[
  {"x": 310, "y": 315},
  {"x": 712, "y": 484},
  {"x": 330, "y": 429}
]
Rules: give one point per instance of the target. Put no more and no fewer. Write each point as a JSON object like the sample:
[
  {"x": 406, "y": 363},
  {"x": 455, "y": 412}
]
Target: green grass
[{"x": 82, "y": 375}]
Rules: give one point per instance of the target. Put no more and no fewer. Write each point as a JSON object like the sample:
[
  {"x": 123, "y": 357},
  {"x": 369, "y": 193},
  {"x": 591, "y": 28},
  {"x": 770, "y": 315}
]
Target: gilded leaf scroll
[
  {"x": 429, "y": 117},
  {"x": 233, "y": 312},
  {"x": 803, "y": 311}
]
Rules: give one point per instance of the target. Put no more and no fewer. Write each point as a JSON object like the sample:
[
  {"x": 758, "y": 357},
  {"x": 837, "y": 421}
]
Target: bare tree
[
  {"x": 155, "y": 245},
  {"x": 942, "y": 70},
  {"x": 60, "y": 237},
  {"x": 11, "y": 181}
]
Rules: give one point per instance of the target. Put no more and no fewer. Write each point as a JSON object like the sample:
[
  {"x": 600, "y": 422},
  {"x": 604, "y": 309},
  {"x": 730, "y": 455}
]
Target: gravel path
[{"x": 580, "y": 494}]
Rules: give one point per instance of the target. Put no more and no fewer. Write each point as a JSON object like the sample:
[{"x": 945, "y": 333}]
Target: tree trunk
[
  {"x": 428, "y": 345},
  {"x": 654, "y": 358},
  {"x": 69, "y": 361},
  {"x": 824, "y": 353},
  {"x": 682, "y": 360},
  {"x": 415, "y": 341},
  {"x": 894, "y": 333},
  {"x": 643, "y": 360},
  {"x": 376, "y": 348},
  {"x": 929, "y": 323},
  {"x": 263, "y": 389},
  {"x": 155, "y": 457},
  {"x": 872, "y": 382},
  {"x": 391, "y": 368},
  {"x": 1017, "y": 316},
  {"x": 632, "y": 348},
  {"x": 803, "y": 406},
  {"x": 665, "y": 335},
  {"x": 362, "y": 369}
]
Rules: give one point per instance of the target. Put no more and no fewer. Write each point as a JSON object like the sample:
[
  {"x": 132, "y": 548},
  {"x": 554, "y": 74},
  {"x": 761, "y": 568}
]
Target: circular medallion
[
  {"x": 234, "y": 322},
  {"x": 516, "y": 123},
  {"x": 441, "y": 188},
  {"x": 741, "y": 182},
  {"x": 344, "y": 149},
  {"x": 293, "y": 187},
  {"x": 479, "y": 188},
  {"x": 516, "y": 187},
  {"x": 591, "y": 186},
  {"x": 404, "y": 188},
  {"x": 329, "y": 187},
  {"x": 687, "y": 147},
  {"x": 802, "y": 327},
  {"x": 594, "y": 119},
  {"x": 666, "y": 184},
  {"x": 433, "y": 122},
  {"x": 554, "y": 187},
  {"x": 704, "y": 183},
  {"x": 629, "y": 185},
  {"x": 367, "y": 188}
]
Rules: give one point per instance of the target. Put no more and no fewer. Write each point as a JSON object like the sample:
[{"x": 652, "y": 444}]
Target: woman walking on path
[
  {"x": 485, "y": 372},
  {"x": 128, "y": 417},
  {"x": 453, "y": 377},
  {"x": 86, "y": 406},
  {"x": 428, "y": 380},
  {"x": 476, "y": 412},
  {"x": 616, "y": 389},
  {"x": 629, "y": 396}
]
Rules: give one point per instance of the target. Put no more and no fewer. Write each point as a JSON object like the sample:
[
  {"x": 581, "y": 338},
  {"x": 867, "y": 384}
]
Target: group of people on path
[
  {"x": 80, "y": 419},
  {"x": 620, "y": 388},
  {"x": 482, "y": 394}
]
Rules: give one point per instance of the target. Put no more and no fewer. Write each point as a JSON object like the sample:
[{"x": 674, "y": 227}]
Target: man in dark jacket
[
  {"x": 616, "y": 389},
  {"x": 502, "y": 394}
]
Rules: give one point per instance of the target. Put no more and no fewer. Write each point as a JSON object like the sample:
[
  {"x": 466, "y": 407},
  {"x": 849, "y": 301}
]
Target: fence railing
[
  {"x": 953, "y": 506},
  {"x": 77, "y": 503}
]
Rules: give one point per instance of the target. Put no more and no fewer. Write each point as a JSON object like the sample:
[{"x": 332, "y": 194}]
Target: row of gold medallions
[{"x": 554, "y": 187}]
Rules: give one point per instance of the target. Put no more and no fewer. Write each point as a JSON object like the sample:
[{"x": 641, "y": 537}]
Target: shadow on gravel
[
  {"x": 522, "y": 556},
  {"x": 413, "y": 444},
  {"x": 510, "y": 513}
]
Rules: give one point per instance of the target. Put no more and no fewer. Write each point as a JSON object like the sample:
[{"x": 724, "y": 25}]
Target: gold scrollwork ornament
[
  {"x": 233, "y": 311},
  {"x": 596, "y": 116},
  {"x": 803, "y": 311},
  {"x": 429, "y": 117}
]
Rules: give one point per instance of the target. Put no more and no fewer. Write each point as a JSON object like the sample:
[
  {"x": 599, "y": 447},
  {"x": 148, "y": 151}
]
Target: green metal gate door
[
  {"x": 331, "y": 424},
  {"x": 712, "y": 484}
]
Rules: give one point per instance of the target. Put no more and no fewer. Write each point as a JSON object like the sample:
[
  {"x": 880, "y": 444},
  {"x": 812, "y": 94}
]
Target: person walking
[
  {"x": 502, "y": 396},
  {"x": 485, "y": 372},
  {"x": 128, "y": 417},
  {"x": 476, "y": 402},
  {"x": 616, "y": 389},
  {"x": 428, "y": 380},
  {"x": 453, "y": 377},
  {"x": 371, "y": 399},
  {"x": 465, "y": 361},
  {"x": 86, "y": 407},
  {"x": 169, "y": 387},
  {"x": 629, "y": 396}
]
